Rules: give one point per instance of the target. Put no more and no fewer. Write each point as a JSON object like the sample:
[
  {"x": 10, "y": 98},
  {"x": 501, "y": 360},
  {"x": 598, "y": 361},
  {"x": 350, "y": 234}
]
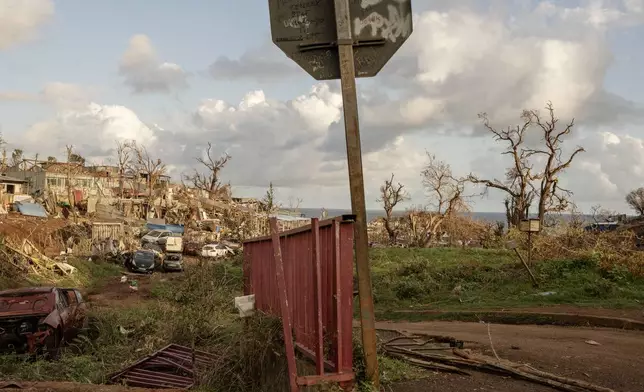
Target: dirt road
[
  {"x": 615, "y": 363},
  {"x": 115, "y": 293}
]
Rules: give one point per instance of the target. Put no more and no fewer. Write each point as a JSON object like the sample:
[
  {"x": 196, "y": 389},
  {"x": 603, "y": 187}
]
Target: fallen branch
[
  {"x": 429, "y": 365},
  {"x": 533, "y": 374},
  {"x": 489, "y": 335},
  {"x": 462, "y": 359},
  {"x": 579, "y": 383}
]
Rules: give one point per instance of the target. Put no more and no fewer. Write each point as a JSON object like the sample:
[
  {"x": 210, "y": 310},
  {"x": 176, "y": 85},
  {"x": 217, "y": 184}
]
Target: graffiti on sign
[
  {"x": 392, "y": 27},
  {"x": 369, "y": 3},
  {"x": 305, "y": 31},
  {"x": 297, "y": 22}
]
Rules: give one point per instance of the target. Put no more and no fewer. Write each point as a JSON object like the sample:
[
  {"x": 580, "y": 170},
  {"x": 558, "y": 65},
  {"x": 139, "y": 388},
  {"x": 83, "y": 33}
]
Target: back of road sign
[{"x": 306, "y": 31}]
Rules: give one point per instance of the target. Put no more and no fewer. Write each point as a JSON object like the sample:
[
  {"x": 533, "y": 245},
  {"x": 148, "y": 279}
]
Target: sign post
[
  {"x": 345, "y": 39},
  {"x": 356, "y": 186},
  {"x": 530, "y": 226}
]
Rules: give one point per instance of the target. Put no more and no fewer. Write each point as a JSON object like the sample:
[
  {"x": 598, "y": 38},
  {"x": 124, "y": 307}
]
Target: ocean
[{"x": 490, "y": 217}]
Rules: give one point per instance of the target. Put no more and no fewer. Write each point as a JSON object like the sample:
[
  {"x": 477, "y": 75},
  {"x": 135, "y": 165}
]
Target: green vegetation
[
  {"x": 461, "y": 279},
  {"x": 194, "y": 308}
]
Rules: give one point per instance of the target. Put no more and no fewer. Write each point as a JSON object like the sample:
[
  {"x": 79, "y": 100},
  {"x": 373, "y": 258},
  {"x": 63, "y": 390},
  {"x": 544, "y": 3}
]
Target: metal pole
[
  {"x": 356, "y": 185},
  {"x": 286, "y": 315},
  {"x": 530, "y": 248}
]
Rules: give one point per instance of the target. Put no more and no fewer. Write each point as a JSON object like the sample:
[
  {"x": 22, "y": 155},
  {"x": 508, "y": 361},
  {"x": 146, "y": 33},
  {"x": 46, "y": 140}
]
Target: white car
[
  {"x": 156, "y": 237},
  {"x": 216, "y": 250}
]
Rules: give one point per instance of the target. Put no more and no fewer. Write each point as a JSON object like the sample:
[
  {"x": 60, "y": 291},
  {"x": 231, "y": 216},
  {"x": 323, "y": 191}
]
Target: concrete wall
[{"x": 36, "y": 180}]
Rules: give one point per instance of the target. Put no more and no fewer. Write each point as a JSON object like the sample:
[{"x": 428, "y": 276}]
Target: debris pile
[
  {"x": 73, "y": 209},
  {"x": 29, "y": 259},
  {"x": 425, "y": 229}
]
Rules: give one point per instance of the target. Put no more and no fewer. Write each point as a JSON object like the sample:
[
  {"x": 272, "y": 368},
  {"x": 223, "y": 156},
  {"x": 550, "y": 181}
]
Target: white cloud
[
  {"x": 17, "y": 96},
  {"x": 21, "y": 19},
  {"x": 467, "y": 62},
  {"x": 263, "y": 63},
  {"x": 93, "y": 130},
  {"x": 612, "y": 166},
  {"x": 65, "y": 95},
  {"x": 145, "y": 73},
  {"x": 58, "y": 94}
]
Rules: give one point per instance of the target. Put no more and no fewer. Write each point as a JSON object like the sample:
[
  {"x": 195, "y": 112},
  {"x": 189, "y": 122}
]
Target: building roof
[
  {"x": 5, "y": 178},
  {"x": 62, "y": 167}
]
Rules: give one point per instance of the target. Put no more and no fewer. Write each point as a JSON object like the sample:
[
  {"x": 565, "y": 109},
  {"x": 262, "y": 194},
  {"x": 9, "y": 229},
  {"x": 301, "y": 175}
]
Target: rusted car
[{"x": 39, "y": 320}]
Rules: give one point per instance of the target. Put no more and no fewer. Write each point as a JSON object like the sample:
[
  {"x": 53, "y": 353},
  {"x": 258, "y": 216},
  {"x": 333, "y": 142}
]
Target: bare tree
[
  {"x": 124, "y": 163},
  {"x": 600, "y": 214},
  {"x": 390, "y": 196},
  {"x": 210, "y": 181},
  {"x": 72, "y": 169},
  {"x": 523, "y": 183},
  {"x": 635, "y": 200},
  {"x": 446, "y": 194},
  {"x": 152, "y": 169},
  {"x": 294, "y": 203}
]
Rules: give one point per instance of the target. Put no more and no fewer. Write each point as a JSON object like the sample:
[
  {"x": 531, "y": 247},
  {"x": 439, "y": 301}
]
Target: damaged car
[
  {"x": 39, "y": 320},
  {"x": 145, "y": 261}
]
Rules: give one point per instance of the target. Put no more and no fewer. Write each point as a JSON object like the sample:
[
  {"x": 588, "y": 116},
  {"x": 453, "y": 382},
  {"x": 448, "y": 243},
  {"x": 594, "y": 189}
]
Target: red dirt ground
[
  {"x": 117, "y": 294},
  {"x": 17, "y": 227},
  {"x": 633, "y": 314},
  {"x": 616, "y": 363}
]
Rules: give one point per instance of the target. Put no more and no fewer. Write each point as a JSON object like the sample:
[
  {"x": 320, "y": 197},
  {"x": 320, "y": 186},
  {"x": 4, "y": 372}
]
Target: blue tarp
[
  {"x": 32, "y": 209},
  {"x": 172, "y": 228}
]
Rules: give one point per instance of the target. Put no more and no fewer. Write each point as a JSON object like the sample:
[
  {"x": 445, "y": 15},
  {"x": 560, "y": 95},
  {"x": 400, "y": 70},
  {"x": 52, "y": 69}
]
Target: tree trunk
[
  {"x": 390, "y": 231},
  {"x": 545, "y": 194}
]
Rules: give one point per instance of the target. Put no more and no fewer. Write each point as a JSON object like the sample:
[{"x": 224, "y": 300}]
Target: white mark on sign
[
  {"x": 297, "y": 22},
  {"x": 391, "y": 28},
  {"x": 370, "y": 3}
]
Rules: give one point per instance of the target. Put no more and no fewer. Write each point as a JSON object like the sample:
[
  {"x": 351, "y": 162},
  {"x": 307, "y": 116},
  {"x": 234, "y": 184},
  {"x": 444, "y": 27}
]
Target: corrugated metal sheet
[
  {"x": 106, "y": 230},
  {"x": 32, "y": 209},
  {"x": 170, "y": 367},
  {"x": 319, "y": 289}
]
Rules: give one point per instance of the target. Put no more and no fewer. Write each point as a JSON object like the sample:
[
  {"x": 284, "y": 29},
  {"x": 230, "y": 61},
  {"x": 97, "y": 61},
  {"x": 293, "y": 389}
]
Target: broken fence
[{"x": 305, "y": 277}]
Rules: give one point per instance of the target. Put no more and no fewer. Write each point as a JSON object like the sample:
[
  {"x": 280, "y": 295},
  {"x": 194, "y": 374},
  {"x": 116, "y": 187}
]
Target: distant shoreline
[{"x": 490, "y": 217}]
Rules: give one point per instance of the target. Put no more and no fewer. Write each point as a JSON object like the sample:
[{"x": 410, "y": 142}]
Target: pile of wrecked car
[{"x": 40, "y": 320}]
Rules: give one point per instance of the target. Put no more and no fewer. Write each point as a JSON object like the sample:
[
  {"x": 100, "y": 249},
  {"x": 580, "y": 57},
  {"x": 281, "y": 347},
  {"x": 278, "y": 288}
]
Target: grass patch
[
  {"x": 89, "y": 275},
  {"x": 461, "y": 279}
]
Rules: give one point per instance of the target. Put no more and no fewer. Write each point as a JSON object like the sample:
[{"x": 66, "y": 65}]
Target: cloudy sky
[{"x": 175, "y": 75}]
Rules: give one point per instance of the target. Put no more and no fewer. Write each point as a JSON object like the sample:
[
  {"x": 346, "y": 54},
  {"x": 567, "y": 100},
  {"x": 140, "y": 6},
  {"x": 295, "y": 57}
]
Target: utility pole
[{"x": 356, "y": 185}]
